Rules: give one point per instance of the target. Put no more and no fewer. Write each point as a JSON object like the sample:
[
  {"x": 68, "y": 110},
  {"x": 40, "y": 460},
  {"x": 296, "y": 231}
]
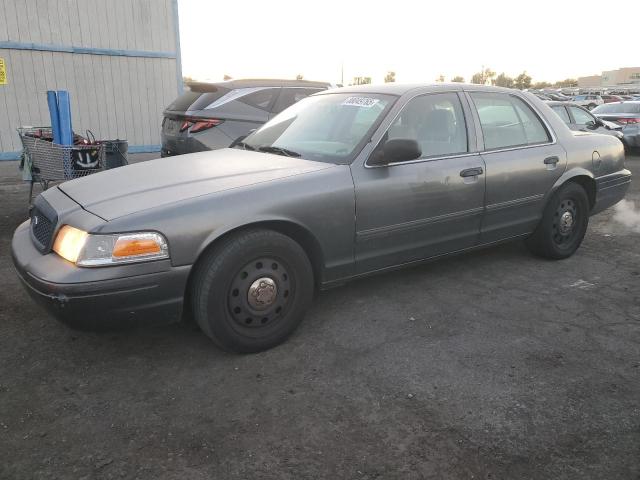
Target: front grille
[{"x": 43, "y": 225}]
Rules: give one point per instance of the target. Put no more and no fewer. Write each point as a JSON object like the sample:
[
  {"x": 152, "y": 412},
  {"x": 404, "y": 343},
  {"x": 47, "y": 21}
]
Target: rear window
[
  {"x": 618, "y": 108},
  {"x": 580, "y": 97},
  {"x": 183, "y": 101},
  {"x": 197, "y": 100}
]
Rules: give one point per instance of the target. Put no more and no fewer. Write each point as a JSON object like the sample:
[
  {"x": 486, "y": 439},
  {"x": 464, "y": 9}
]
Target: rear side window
[
  {"x": 289, "y": 96},
  {"x": 261, "y": 99},
  {"x": 507, "y": 121},
  {"x": 562, "y": 113}
]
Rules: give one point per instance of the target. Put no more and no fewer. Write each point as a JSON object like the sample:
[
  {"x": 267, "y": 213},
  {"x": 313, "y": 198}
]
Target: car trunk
[{"x": 622, "y": 119}]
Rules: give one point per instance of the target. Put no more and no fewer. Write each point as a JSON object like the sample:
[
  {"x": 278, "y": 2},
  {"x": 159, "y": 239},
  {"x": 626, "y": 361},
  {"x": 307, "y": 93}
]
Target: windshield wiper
[
  {"x": 278, "y": 150},
  {"x": 245, "y": 146}
]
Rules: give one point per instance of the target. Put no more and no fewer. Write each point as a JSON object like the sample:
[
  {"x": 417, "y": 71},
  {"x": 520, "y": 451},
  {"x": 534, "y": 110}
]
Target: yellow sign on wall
[{"x": 3, "y": 72}]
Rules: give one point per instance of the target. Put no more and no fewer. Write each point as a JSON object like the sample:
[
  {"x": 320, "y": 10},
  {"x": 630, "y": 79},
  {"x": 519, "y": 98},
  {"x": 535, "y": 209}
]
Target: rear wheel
[
  {"x": 251, "y": 292},
  {"x": 563, "y": 224}
]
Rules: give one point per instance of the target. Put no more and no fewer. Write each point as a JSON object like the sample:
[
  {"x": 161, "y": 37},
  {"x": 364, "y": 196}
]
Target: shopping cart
[{"x": 46, "y": 162}]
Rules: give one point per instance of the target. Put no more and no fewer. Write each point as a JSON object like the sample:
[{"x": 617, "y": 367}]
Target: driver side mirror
[{"x": 397, "y": 150}]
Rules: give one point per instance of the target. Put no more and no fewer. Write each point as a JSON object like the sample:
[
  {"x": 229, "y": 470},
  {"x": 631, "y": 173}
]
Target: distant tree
[
  {"x": 522, "y": 81},
  {"x": 503, "y": 80},
  {"x": 440, "y": 78},
  {"x": 188, "y": 79},
  {"x": 390, "y": 77},
  {"x": 483, "y": 77},
  {"x": 458, "y": 79},
  {"x": 361, "y": 80},
  {"x": 227, "y": 77},
  {"x": 541, "y": 85},
  {"x": 299, "y": 76},
  {"x": 567, "y": 82}
]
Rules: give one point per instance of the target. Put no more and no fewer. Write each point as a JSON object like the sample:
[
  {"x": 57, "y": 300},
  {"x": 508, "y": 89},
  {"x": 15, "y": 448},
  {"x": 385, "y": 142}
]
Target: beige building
[
  {"x": 622, "y": 77},
  {"x": 590, "y": 81},
  {"x": 119, "y": 60}
]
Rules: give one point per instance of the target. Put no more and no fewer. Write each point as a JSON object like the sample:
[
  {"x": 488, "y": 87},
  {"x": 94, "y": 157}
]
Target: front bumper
[
  {"x": 103, "y": 296},
  {"x": 610, "y": 189}
]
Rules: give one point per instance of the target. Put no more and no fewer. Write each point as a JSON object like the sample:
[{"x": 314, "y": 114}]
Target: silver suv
[
  {"x": 212, "y": 115},
  {"x": 589, "y": 101}
]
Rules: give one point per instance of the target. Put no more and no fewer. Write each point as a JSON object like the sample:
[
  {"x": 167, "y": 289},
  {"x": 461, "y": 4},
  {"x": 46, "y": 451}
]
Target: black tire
[
  {"x": 563, "y": 224},
  {"x": 250, "y": 292}
]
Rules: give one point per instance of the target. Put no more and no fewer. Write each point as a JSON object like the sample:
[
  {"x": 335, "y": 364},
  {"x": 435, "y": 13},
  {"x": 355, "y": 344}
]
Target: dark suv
[{"x": 212, "y": 115}]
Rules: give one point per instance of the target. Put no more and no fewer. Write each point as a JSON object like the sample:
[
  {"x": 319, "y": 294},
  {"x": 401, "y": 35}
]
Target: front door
[{"x": 426, "y": 207}]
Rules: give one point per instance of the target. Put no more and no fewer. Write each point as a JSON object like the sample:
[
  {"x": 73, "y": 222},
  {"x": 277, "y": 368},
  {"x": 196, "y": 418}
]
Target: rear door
[{"x": 522, "y": 159}]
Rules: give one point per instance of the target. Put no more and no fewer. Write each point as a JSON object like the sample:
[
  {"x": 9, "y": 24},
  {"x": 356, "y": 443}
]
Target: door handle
[
  {"x": 471, "y": 172},
  {"x": 551, "y": 160}
]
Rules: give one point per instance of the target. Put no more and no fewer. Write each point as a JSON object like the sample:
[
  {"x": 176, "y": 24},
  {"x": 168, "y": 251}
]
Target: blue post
[
  {"x": 52, "y": 100},
  {"x": 64, "y": 112}
]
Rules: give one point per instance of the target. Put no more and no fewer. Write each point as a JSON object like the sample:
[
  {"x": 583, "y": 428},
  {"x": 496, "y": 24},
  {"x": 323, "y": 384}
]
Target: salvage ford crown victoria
[{"x": 343, "y": 184}]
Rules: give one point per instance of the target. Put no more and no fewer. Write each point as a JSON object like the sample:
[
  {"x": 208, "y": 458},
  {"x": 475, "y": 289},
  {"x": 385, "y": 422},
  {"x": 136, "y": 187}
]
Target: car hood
[{"x": 133, "y": 188}]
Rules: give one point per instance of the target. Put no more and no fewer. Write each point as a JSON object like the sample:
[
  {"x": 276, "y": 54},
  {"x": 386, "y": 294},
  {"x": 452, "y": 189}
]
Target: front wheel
[
  {"x": 563, "y": 224},
  {"x": 251, "y": 291}
]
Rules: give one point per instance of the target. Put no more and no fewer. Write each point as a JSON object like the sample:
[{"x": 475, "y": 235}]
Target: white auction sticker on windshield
[{"x": 365, "y": 102}]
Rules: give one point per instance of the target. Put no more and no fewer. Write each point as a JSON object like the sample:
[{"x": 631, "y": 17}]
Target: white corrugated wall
[{"x": 129, "y": 72}]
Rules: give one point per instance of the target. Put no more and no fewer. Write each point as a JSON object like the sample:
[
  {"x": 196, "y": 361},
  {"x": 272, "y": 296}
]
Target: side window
[
  {"x": 260, "y": 99},
  {"x": 289, "y": 96},
  {"x": 581, "y": 117},
  {"x": 436, "y": 122},
  {"x": 562, "y": 113},
  {"x": 508, "y": 121}
]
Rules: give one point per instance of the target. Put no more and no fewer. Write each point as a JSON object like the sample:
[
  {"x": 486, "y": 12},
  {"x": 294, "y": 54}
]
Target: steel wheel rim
[
  {"x": 260, "y": 293},
  {"x": 565, "y": 223}
]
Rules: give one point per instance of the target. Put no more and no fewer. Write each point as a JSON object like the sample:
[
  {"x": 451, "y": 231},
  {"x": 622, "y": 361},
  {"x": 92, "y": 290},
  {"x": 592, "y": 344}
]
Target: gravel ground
[{"x": 490, "y": 365}]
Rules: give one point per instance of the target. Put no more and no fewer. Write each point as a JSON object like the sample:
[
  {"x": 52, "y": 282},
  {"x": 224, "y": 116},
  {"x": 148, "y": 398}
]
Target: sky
[{"x": 419, "y": 40}]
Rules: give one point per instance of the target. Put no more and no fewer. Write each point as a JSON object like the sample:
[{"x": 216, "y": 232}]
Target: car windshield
[
  {"x": 327, "y": 128},
  {"x": 618, "y": 108},
  {"x": 580, "y": 97}
]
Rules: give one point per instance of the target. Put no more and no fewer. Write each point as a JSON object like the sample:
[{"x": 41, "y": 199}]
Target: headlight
[{"x": 88, "y": 250}]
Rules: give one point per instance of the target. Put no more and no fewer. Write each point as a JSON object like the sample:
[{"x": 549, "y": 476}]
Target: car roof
[
  {"x": 255, "y": 82},
  {"x": 393, "y": 88},
  {"x": 557, "y": 102}
]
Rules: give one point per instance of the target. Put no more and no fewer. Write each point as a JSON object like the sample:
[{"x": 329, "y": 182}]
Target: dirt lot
[{"x": 492, "y": 365}]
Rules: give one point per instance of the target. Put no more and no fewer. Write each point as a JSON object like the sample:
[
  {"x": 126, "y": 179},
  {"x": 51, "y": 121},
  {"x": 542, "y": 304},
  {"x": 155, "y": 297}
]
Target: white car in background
[{"x": 588, "y": 101}]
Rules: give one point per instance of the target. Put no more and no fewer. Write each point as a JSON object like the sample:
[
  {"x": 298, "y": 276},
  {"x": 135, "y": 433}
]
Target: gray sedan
[
  {"x": 580, "y": 119},
  {"x": 343, "y": 184},
  {"x": 626, "y": 115}
]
